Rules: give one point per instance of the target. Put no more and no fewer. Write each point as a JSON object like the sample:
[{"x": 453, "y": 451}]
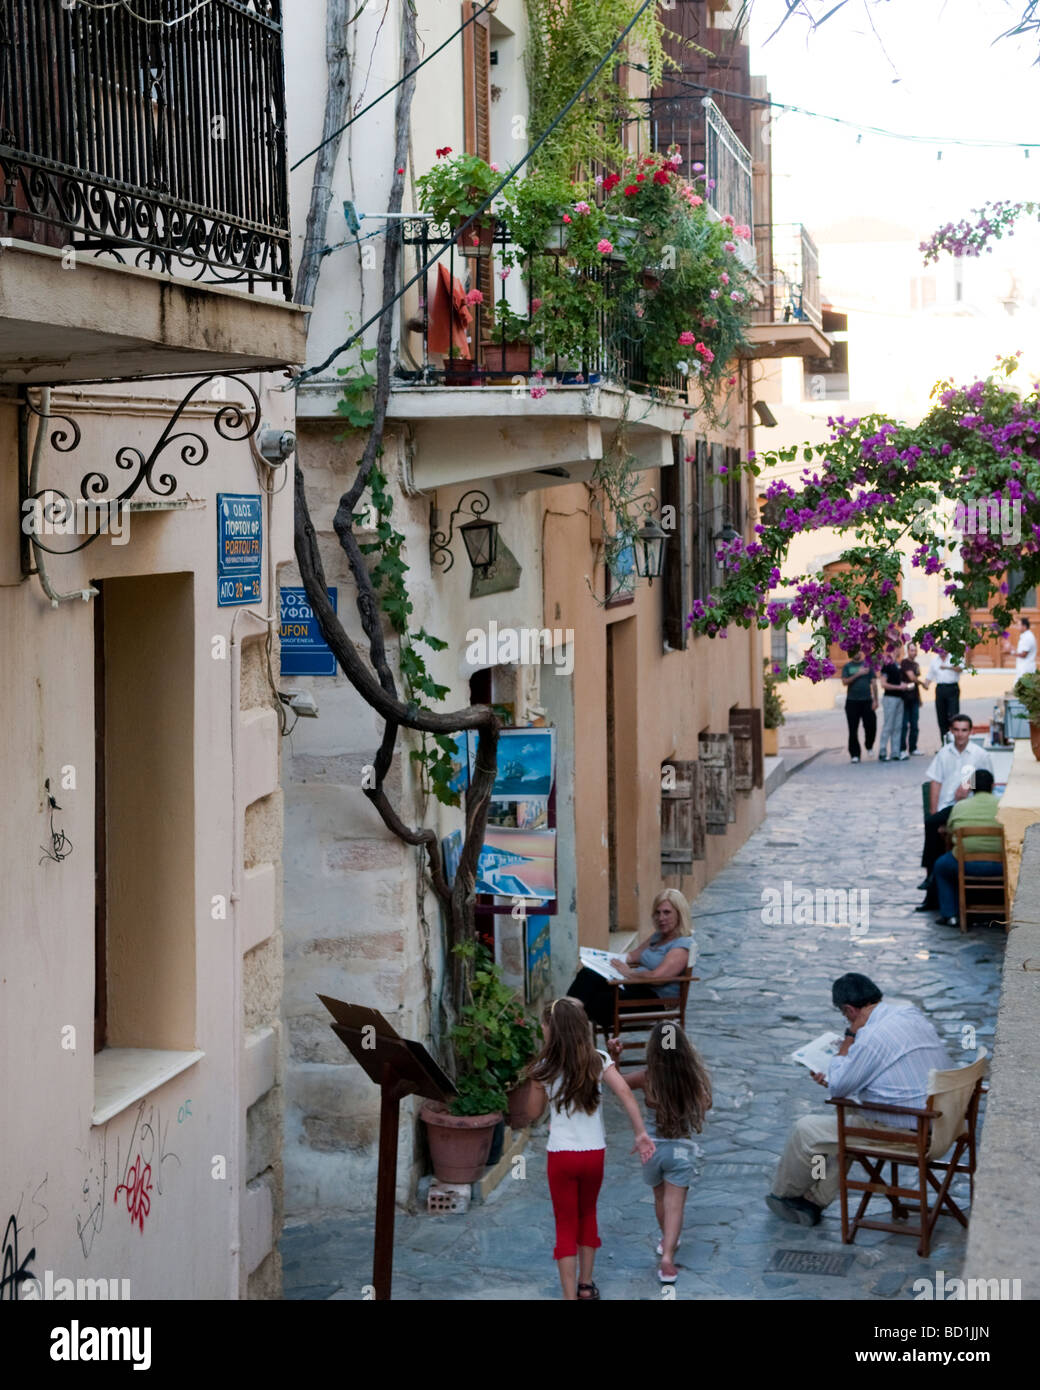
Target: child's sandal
[{"x": 588, "y": 1297}]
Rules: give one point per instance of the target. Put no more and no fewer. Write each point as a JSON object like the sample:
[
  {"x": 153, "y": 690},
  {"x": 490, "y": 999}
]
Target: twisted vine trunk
[{"x": 375, "y": 682}]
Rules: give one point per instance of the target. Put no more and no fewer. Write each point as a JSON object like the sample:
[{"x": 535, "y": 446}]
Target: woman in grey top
[{"x": 651, "y": 967}]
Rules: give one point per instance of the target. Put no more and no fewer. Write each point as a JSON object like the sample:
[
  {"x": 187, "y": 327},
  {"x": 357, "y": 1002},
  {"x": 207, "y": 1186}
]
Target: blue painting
[
  {"x": 537, "y": 959},
  {"x": 526, "y": 764}
]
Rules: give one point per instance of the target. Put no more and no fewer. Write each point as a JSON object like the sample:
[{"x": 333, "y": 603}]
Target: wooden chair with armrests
[
  {"x": 969, "y": 882},
  {"x": 947, "y": 1121},
  {"x": 640, "y": 1015}
]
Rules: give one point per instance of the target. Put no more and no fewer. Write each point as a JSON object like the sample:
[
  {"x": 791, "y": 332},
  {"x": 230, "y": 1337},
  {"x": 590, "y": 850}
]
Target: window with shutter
[
  {"x": 734, "y": 490},
  {"x": 476, "y": 82},
  {"x": 682, "y": 817},
  {"x": 717, "y": 765},
  {"x": 746, "y": 727},
  {"x": 701, "y": 517},
  {"x": 676, "y": 580}
]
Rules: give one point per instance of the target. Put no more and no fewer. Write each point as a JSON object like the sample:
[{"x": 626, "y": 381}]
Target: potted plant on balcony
[
  {"x": 1027, "y": 690},
  {"x": 453, "y": 190},
  {"x": 492, "y": 1041},
  {"x": 772, "y": 713},
  {"x": 534, "y": 211},
  {"x": 507, "y": 348},
  {"x": 572, "y": 296}
]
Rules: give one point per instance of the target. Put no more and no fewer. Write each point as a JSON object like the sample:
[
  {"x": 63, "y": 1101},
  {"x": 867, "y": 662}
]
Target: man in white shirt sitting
[
  {"x": 1025, "y": 652},
  {"x": 885, "y": 1059},
  {"x": 950, "y": 773}
]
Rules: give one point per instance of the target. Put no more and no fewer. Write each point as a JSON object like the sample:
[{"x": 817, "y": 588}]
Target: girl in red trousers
[{"x": 571, "y": 1073}]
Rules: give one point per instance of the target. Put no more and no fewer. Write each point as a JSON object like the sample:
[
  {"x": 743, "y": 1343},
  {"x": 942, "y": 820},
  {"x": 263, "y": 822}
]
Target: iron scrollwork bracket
[{"x": 233, "y": 422}]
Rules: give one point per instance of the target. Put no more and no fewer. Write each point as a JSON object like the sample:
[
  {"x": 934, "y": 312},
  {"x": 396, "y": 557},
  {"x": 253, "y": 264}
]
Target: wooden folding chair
[
  {"x": 947, "y": 1121},
  {"x": 640, "y": 1015},
  {"x": 966, "y": 880}
]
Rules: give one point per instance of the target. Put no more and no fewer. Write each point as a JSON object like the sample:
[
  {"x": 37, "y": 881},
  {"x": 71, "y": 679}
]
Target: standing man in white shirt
[
  {"x": 1025, "y": 652},
  {"x": 947, "y": 677},
  {"x": 950, "y": 773}
]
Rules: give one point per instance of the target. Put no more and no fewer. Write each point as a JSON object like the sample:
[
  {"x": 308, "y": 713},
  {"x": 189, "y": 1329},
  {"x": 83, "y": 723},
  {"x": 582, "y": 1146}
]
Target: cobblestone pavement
[{"x": 763, "y": 991}]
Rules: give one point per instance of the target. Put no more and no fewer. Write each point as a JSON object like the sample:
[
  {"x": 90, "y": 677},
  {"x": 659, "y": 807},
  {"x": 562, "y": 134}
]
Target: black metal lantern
[
  {"x": 728, "y": 534},
  {"x": 481, "y": 541},
  {"x": 479, "y": 536},
  {"x": 649, "y": 550}
]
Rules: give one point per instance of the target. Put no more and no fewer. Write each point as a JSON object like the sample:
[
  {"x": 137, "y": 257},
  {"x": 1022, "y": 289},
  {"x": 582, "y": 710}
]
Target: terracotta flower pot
[
  {"x": 478, "y": 239},
  {"x": 506, "y": 357},
  {"x": 459, "y": 1144},
  {"x": 1034, "y": 739},
  {"x": 526, "y": 1103},
  {"x": 770, "y": 743}
]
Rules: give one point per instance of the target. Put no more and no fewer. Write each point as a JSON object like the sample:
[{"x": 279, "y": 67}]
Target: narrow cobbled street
[{"x": 764, "y": 990}]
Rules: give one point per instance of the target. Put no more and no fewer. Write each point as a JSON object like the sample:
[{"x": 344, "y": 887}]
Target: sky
[{"x": 930, "y": 68}]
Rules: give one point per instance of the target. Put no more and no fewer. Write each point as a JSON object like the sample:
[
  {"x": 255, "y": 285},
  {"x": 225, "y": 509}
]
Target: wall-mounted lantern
[{"x": 479, "y": 536}]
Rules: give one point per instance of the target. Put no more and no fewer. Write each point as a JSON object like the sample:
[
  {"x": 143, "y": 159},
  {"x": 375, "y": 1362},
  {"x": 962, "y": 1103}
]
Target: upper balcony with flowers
[{"x": 629, "y": 278}]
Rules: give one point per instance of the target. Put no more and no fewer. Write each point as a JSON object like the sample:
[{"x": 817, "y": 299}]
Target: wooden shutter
[
  {"x": 676, "y": 580},
  {"x": 682, "y": 818},
  {"x": 746, "y": 727},
  {"x": 734, "y": 489},
  {"x": 717, "y": 766},
  {"x": 700, "y": 521},
  {"x": 476, "y": 106}
]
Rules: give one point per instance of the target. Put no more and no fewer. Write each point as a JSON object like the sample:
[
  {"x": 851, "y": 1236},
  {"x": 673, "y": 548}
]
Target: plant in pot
[
  {"x": 453, "y": 190},
  {"x": 772, "y": 712},
  {"x": 1027, "y": 690},
  {"x": 507, "y": 349},
  {"x": 573, "y": 294},
  {"x": 492, "y": 1041},
  {"x": 534, "y": 211}
]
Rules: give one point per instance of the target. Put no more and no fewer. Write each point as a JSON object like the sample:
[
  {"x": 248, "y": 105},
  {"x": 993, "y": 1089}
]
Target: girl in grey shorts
[{"x": 678, "y": 1096}]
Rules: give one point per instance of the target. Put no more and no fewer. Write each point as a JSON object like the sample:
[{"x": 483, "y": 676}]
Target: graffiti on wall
[
  {"x": 139, "y": 1169},
  {"x": 14, "y": 1266}
]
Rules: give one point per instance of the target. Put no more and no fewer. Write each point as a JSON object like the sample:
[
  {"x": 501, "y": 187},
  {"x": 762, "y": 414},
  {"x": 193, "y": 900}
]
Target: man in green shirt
[
  {"x": 979, "y": 809},
  {"x": 860, "y": 681}
]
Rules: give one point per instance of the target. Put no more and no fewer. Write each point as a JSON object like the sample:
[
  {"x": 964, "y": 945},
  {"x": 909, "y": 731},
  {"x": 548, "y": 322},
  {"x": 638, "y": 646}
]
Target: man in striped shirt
[{"x": 885, "y": 1058}]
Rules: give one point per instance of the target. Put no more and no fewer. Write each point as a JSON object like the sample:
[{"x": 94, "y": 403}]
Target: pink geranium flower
[
  {"x": 724, "y": 278},
  {"x": 474, "y": 297},
  {"x": 729, "y": 246},
  {"x": 729, "y": 221},
  {"x": 604, "y": 247},
  {"x": 696, "y": 201},
  {"x": 687, "y": 339},
  {"x": 743, "y": 231},
  {"x": 582, "y": 208}
]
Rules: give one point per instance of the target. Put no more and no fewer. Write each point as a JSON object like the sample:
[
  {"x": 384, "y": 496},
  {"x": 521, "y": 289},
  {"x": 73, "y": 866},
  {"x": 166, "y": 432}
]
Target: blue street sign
[
  {"x": 304, "y": 650},
  {"x": 240, "y": 540}
]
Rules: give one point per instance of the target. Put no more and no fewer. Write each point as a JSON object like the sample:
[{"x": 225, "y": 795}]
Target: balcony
[
  {"x": 563, "y": 409},
  {"x": 788, "y": 321},
  {"x": 703, "y": 136},
  {"x": 151, "y": 161}
]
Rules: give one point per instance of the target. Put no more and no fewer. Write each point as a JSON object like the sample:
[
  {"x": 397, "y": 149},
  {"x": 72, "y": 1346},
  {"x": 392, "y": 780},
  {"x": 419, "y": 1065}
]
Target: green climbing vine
[{"x": 434, "y": 757}]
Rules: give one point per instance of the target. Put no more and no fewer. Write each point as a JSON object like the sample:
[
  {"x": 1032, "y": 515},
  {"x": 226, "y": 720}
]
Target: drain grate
[{"x": 810, "y": 1262}]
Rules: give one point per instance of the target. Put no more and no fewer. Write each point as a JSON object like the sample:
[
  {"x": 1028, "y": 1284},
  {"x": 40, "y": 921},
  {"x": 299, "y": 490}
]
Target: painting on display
[
  {"x": 451, "y": 851},
  {"x": 537, "y": 959},
  {"x": 526, "y": 764},
  {"x": 517, "y": 863}
]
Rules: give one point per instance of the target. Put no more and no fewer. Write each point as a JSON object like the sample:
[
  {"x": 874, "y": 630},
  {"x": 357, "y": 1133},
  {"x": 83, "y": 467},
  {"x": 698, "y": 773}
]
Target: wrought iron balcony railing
[
  {"x": 161, "y": 143},
  {"x": 702, "y": 134},
  {"x": 467, "y": 344},
  {"x": 789, "y": 270}
]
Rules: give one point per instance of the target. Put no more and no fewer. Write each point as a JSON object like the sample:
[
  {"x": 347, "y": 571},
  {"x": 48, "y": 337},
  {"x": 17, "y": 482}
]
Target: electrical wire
[
  {"x": 475, "y": 217},
  {"x": 944, "y": 140},
  {"x": 376, "y": 100},
  {"x": 141, "y": 19}
]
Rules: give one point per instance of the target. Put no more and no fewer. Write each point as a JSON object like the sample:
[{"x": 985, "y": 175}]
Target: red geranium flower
[
  {"x": 661, "y": 176},
  {"x": 445, "y": 151},
  {"x": 631, "y": 190}
]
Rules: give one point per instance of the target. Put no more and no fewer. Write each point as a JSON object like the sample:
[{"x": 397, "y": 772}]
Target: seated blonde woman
[{"x": 651, "y": 967}]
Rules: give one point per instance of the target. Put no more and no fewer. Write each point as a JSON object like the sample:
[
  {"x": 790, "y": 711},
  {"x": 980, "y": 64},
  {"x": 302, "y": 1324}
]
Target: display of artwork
[
  {"x": 537, "y": 959},
  {"x": 526, "y": 764},
  {"x": 451, "y": 852},
  {"x": 517, "y": 863}
]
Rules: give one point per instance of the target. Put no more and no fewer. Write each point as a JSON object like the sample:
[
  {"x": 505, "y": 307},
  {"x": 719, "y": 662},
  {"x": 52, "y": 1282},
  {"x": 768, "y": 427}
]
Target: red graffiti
[{"x": 138, "y": 1192}]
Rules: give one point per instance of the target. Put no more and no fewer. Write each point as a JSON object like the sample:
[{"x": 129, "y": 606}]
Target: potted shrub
[
  {"x": 453, "y": 190},
  {"x": 772, "y": 714},
  {"x": 534, "y": 212},
  {"x": 1027, "y": 690},
  {"x": 507, "y": 348},
  {"x": 493, "y": 1041}
]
